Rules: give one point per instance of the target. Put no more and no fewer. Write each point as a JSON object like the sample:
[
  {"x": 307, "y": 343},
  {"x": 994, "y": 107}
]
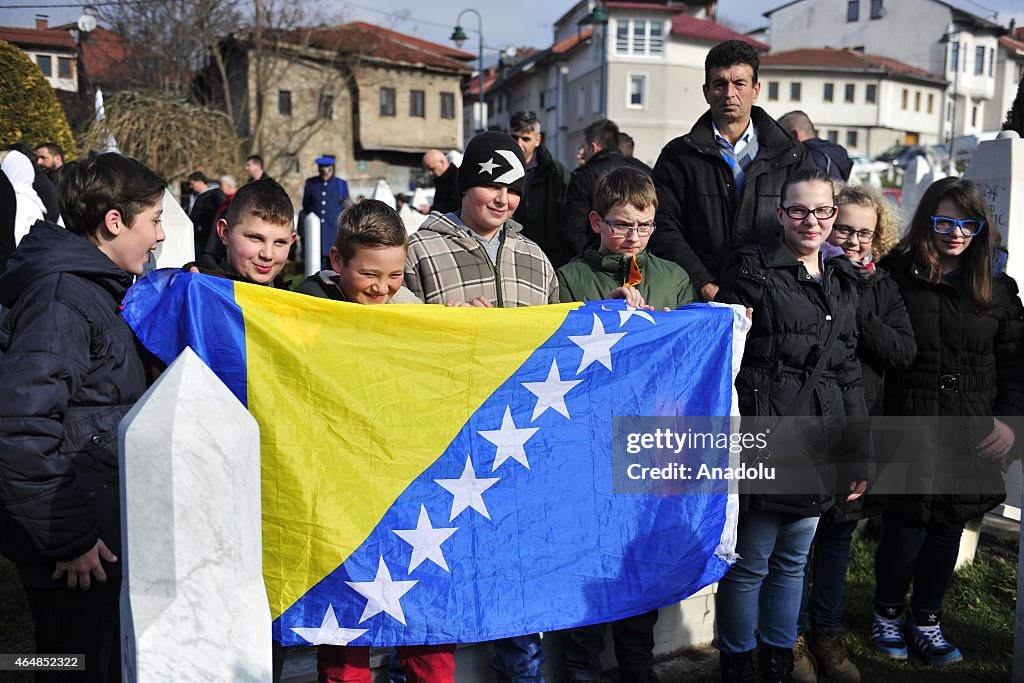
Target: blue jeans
[
  {"x": 825, "y": 579},
  {"x": 760, "y": 594},
  {"x": 519, "y": 659}
]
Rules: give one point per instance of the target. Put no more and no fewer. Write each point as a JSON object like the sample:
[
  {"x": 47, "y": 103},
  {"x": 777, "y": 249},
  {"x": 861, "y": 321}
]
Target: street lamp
[
  {"x": 598, "y": 18},
  {"x": 947, "y": 39},
  {"x": 459, "y": 37}
]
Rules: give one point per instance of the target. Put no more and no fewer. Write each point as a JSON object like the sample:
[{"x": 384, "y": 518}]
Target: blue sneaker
[
  {"x": 929, "y": 641},
  {"x": 887, "y": 636}
]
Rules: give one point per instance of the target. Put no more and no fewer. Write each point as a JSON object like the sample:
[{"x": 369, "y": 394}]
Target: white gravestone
[
  {"x": 179, "y": 245},
  {"x": 311, "y": 244},
  {"x": 919, "y": 176},
  {"x": 998, "y": 167},
  {"x": 193, "y": 605}
]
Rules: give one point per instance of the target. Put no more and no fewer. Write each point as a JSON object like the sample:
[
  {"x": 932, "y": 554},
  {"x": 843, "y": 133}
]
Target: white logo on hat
[
  {"x": 488, "y": 166},
  {"x": 517, "y": 171}
]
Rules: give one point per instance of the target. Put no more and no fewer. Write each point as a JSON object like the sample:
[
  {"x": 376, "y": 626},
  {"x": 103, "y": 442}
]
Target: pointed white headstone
[
  {"x": 179, "y": 246},
  {"x": 382, "y": 192},
  {"x": 193, "y": 603},
  {"x": 920, "y": 174},
  {"x": 998, "y": 167}
]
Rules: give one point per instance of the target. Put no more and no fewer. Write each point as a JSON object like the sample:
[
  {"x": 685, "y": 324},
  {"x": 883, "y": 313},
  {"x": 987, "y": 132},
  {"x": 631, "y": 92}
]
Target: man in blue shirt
[{"x": 324, "y": 195}]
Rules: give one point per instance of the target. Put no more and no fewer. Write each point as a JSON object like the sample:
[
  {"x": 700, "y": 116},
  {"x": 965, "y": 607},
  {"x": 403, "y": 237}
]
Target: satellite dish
[{"x": 87, "y": 23}]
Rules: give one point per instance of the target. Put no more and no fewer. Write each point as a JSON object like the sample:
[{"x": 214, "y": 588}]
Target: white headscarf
[{"x": 20, "y": 170}]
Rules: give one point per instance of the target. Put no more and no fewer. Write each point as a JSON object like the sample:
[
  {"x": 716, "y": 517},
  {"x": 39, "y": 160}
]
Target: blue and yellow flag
[{"x": 437, "y": 475}]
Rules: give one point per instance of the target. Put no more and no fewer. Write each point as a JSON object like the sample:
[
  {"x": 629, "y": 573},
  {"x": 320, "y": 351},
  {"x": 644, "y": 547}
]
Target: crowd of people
[{"x": 848, "y": 320}]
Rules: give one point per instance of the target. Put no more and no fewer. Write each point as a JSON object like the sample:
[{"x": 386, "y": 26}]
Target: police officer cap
[{"x": 326, "y": 160}]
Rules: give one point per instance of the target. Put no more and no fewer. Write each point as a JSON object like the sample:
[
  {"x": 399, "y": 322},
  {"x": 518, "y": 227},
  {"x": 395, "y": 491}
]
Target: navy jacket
[{"x": 70, "y": 369}]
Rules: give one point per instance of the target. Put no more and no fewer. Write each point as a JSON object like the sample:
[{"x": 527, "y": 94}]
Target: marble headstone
[
  {"x": 382, "y": 192},
  {"x": 311, "y": 243},
  {"x": 179, "y": 246},
  {"x": 998, "y": 167},
  {"x": 193, "y": 603},
  {"x": 920, "y": 174}
]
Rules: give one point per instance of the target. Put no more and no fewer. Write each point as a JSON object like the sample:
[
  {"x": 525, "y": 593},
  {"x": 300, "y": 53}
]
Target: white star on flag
[
  {"x": 488, "y": 166},
  {"x": 382, "y": 594},
  {"x": 597, "y": 346},
  {"x": 551, "y": 392},
  {"x": 329, "y": 633},
  {"x": 509, "y": 440},
  {"x": 425, "y": 541},
  {"x": 467, "y": 491},
  {"x": 630, "y": 311}
]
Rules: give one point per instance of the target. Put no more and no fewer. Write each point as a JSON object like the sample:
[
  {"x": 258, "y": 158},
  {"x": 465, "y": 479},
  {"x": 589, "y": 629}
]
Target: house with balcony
[
  {"x": 1009, "y": 72},
  {"x": 638, "y": 63},
  {"x": 933, "y": 36},
  {"x": 864, "y": 102}
]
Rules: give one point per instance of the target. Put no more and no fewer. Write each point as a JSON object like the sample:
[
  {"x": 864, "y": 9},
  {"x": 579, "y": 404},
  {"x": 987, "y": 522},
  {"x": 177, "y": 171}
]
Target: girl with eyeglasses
[
  {"x": 799, "y": 362},
  {"x": 969, "y": 328},
  {"x": 866, "y": 229}
]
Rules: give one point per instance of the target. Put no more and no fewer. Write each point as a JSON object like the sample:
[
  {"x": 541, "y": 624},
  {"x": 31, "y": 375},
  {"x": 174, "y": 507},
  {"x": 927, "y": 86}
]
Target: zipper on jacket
[{"x": 497, "y": 269}]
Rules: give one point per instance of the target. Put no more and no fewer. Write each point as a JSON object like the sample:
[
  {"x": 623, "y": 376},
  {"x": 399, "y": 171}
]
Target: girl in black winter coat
[
  {"x": 866, "y": 229},
  {"x": 800, "y": 289},
  {"x": 969, "y": 330}
]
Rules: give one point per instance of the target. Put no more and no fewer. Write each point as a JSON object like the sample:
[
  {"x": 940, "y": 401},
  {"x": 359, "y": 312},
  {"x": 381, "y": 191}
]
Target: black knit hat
[{"x": 492, "y": 158}]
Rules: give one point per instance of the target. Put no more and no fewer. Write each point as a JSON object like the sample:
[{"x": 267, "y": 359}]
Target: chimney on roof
[{"x": 42, "y": 22}]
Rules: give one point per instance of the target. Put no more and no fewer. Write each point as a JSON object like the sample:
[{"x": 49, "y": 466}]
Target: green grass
[
  {"x": 15, "y": 623},
  {"x": 979, "y": 618}
]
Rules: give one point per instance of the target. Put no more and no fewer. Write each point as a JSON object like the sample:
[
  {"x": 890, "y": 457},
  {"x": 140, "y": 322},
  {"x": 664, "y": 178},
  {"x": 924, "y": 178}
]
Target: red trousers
[{"x": 421, "y": 664}]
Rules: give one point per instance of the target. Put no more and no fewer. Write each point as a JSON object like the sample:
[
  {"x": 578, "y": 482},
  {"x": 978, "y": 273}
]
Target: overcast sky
[{"x": 522, "y": 23}]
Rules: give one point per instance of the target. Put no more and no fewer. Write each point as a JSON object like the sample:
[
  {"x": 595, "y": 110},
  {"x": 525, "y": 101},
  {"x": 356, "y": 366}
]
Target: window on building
[
  {"x": 851, "y": 138},
  {"x": 871, "y": 93},
  {"x": 949, "y": 111},
  {"x": 877, "y": 9},
  {"x": 773, "y": 91},
  {"x": 974, "y": 115},
  {"x": 853, "y": 10},
  {"x": 954, "y": 56},
  {"x": 284, "y": 102},
  {"x": 637, "y": 91},
  {"x": 833, "y": 136},
  {"x": 595, "y": 97},
  {"x": 829, "y": 91},
  {"x": 326, "y": 108},
  {"x": 931, "y": 102},
  {"x": 794, "y": 92},
  {"x": 581, "y": 102},
  {"x": 917, "y": 101},
  {"x": 543, "y": 98},
  {"x": 905, "y": 98},
  {"x": 979, "y": 60},
  {"x": 849, "y": 92},
  {"x": 45, "y": 63},
  {"x": 64, "y": 67},
  {"x": 447, "y": 105},
  {"x": 417, "y": 103},
  {"x": 991, "y": 60},
  {"x": 387, "y": 101},
  {"x": 644, "y": 37}
]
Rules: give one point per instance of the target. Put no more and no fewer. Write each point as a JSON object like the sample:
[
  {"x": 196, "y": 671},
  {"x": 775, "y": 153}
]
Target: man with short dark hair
[
  {"x": 829, "y": 157},
  {"x": 626, "y": 146},
  {"x": 540, "y": 211},
  {"x": 254, "y": 165},
  {"x": 718, "y": 185},
  {"x": 601, "y": 154},
  {"x": 207, "y": 198},
  {"x": 50, "y": 158}
]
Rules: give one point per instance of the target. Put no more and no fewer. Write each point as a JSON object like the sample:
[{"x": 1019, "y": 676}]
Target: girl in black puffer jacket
[
  {"x": 866, "y": 229},
  {"x": 969, "y": 331},
  {"x": 803, "y": 293}
]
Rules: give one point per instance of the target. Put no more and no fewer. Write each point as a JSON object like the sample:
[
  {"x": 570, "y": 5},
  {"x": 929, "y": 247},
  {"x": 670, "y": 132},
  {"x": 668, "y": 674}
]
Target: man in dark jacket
[
  {"x": 444, "y": 172},
  {"x": 540, "y": 211},
  {"x": 207, "y": 198},
  {"x": 826, "y": 155},
  {"x": 719, "y": 185},
  {"x": 71, "y": 369},
  {"x": 601, "y": 154}
]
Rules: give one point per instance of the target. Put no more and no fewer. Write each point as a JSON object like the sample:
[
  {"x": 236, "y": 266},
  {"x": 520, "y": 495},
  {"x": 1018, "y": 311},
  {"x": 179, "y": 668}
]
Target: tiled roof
[
  {"x": 1012, "y": 43},
  {"x": 710, "y": 31},
  {"x": 34, "y": 37},
  {"x": 830, "y": 58},
  {"x": 362, "y": 39},
  {"x": 106, "y": 56},
  {"x": 572, "y": 41},
  {"x": 473, "y": 84}
]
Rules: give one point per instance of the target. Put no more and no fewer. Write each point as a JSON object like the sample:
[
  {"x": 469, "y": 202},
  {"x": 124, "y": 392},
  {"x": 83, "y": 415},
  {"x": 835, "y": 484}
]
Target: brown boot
[
  {"x": 826, "y": 644},
  {"x": 805, "y": 669}
]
